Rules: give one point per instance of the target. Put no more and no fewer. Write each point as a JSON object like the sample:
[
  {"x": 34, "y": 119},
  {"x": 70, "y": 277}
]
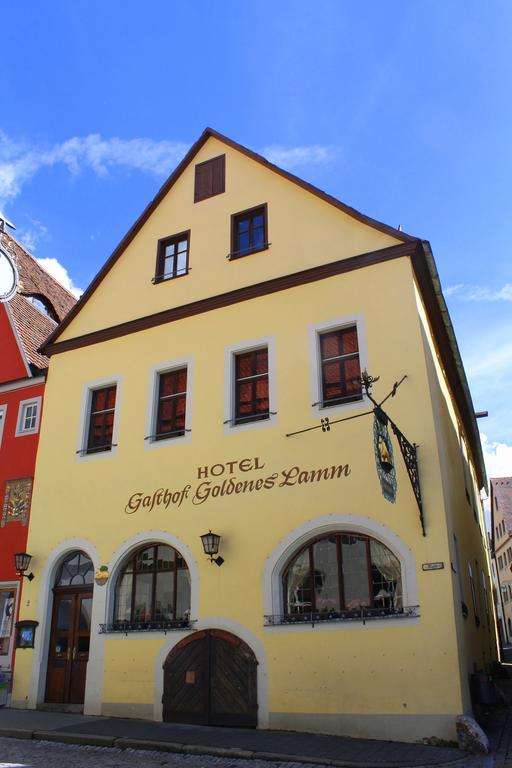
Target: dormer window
[{"x": 172, "y": 257}]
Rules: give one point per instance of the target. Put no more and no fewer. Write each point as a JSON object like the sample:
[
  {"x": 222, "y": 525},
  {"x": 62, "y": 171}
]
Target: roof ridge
[{"x": 168, "y": 184}]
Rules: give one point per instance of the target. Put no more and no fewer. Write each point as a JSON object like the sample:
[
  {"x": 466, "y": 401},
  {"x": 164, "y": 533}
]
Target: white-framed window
[
  {"x": 29, "y": 416},
  {"x": 99, "y": 419},
  {"x": 338, "y": 354},
  {"x": 8, "y": 600},
  {"x": 334, "y": 544},
  {"x": 250, "y": 388},
  {"x": 169, "y": 409},
  {"x": 3, "y": 416}
]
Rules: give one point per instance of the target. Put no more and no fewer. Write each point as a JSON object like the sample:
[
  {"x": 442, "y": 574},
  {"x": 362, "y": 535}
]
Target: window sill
[
  {"x": 95, "y": 451},
  {"x": 157, "y": 280},
  {"x": 240, "y": 421},
  {"x": 363, "y": 615},
  {"x": 341, "y": 401},
  {"x": 260, "y": 422},
  {"x": 26, "y": 432},
  {"x": 320, "y": 409},
  {"x": 241, "y": 254},
  {"x": 125, "y": 627},
  {"x": 170, "y": 436},
  {"x": 85, "y": 455}
]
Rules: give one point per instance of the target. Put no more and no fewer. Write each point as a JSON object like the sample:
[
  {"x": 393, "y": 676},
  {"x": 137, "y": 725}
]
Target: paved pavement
[
  {"x": 115, "y": 742},
  {"x": 15, "y": 753}
]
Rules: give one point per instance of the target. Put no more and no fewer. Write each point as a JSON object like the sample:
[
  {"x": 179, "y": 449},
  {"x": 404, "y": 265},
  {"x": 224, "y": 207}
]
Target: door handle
[
  {"x": 74, "y": 652},
  {"x": 68, "y": 654}
]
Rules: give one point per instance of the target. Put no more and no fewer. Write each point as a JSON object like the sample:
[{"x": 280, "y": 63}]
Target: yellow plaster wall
[
  {"x": 465, "y": 519},
  {"x": 302, "y": 229},
  {"x": 373, "y": 669}
]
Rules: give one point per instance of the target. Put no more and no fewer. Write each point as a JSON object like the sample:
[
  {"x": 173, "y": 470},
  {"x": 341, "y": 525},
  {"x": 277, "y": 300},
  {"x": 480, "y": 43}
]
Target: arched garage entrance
[{"x": 210, "y": 679}]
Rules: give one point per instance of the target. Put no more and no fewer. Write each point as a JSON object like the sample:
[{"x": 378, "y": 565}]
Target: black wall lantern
[
  {"x": 21, "y": 563},
  {"x": 211, "y": 543}
]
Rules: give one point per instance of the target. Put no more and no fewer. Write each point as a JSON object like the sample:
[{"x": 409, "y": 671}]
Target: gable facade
[{"x": 228, "y": 398}]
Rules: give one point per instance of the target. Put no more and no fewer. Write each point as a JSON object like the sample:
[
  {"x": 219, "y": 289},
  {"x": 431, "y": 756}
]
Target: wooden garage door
[{"x": 210, "y": 679}]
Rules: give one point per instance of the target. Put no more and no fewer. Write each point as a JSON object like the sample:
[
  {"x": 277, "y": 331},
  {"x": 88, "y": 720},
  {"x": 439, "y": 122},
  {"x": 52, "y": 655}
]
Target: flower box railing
[
  {"x": 360, "y": 614},
  {"x": 123, "y": 627}
]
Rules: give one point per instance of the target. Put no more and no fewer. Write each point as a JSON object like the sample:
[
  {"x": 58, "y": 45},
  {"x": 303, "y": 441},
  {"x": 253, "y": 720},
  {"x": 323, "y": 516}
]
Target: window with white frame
[
  {"x": 168, "y": 417},
  {"x": 3, "y": 416},
  {"x": 250, "y": 391},
  {"x": 29, "y": 415},
  {"x": 99, "y": 418},
  {"x": 337, "y": 358}
]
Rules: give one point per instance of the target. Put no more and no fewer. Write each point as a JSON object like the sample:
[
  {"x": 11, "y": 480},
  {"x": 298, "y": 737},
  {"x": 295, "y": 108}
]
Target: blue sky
[{"x": 400, "y": 109}]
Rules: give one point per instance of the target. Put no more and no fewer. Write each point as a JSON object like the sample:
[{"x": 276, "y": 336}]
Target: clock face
[{"x": 8, "y": 277}]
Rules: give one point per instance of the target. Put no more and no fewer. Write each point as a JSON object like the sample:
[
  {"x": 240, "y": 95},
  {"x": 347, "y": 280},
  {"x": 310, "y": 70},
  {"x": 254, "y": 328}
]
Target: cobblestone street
[{"x": 18, "y": 753}]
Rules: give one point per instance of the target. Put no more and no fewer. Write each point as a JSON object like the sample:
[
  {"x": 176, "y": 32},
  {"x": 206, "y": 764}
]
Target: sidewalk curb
[
  {"x": 16, "y": 733},
  {"x": 83, "y": 739}
]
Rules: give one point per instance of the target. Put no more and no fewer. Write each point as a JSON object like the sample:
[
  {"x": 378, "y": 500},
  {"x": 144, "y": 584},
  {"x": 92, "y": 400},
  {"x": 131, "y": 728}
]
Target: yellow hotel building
[{"x": 225, "y": 371}]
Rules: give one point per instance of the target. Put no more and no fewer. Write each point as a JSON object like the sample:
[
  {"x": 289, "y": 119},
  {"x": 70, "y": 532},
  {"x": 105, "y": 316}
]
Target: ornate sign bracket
[
  {"x": 408, "y": 450},
  {"x": 410, "y": 458}
]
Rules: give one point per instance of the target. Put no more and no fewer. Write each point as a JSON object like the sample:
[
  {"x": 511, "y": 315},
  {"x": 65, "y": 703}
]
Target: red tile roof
[
  {"x": 33, "y": 328},
  {"x": 32, "y": 325},
  {"x": 36, "y": 281}
]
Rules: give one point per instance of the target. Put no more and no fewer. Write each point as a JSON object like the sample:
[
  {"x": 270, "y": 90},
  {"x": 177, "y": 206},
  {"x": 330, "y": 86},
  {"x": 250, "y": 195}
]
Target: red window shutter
[
  {"x": 210, "y": 178},
  {"x": 218, "y": 175},
  {"x": 203, "y": 186}
]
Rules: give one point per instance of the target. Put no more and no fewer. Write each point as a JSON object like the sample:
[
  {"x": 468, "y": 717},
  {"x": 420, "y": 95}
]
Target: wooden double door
[
  {"x": 69, "y": 645},
  {"x": 210, "y": 678}
]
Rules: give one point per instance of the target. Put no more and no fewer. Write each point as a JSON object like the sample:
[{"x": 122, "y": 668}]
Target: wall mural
[{"x": 16, "y": 501}]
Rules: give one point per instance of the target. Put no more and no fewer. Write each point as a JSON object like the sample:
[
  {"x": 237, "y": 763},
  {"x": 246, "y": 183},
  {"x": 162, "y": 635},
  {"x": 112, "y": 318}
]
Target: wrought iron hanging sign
[{"x": 383, "y": 449}]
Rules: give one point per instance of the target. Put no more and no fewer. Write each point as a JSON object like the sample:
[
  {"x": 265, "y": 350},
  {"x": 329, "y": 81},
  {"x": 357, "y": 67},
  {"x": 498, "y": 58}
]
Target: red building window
[
  {"x": 340, "y": 369},
  {"x": 101, "y": 419},
  {"x": 172, "y": 404},
  {"x": 251, "y": 386}
]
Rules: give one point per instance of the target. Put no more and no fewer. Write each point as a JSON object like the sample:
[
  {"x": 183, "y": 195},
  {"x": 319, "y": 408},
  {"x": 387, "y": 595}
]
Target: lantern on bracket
[
  {"x": 21, "y": 563},
  {"x": 211, "y": 543}
]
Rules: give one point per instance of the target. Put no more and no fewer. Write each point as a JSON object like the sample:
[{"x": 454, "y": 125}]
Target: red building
[{"x": 26, "y": 318}]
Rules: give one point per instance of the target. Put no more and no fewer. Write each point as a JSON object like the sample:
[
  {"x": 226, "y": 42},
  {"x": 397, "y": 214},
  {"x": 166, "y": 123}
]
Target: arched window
[
  {"x": 76, "y": 570},
  {"x": 153, "y": 589},
  {"x": 343, "y": 574}
]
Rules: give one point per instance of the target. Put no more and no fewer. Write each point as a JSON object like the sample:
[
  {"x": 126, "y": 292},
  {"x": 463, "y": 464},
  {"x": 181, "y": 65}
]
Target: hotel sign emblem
[
  {"x": 384, "y": 455},
  {"x": 8, "y": 276}
]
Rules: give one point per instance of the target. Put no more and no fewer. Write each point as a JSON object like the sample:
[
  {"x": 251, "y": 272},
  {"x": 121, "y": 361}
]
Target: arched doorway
[
  {"x": 71, "y": 629},
  {"x": 210, "y": 678}
]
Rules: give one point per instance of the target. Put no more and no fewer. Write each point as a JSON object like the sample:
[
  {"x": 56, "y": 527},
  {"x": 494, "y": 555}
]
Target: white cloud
[
  {"x": 60, "y": 273},
  {"x": 494, "y": 362},
  {"x": 479, "y": 292},
  {"x": 498, "y": 458},
  {"x": 291, "y": 157},
  {"x": 31, "y": 236},
  {"x": 20, "y": 162},
  {"x": 498, "y": 463}
]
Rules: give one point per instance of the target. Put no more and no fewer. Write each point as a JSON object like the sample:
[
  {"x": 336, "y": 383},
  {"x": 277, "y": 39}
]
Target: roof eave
[{"x": 470, "y": 423}]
